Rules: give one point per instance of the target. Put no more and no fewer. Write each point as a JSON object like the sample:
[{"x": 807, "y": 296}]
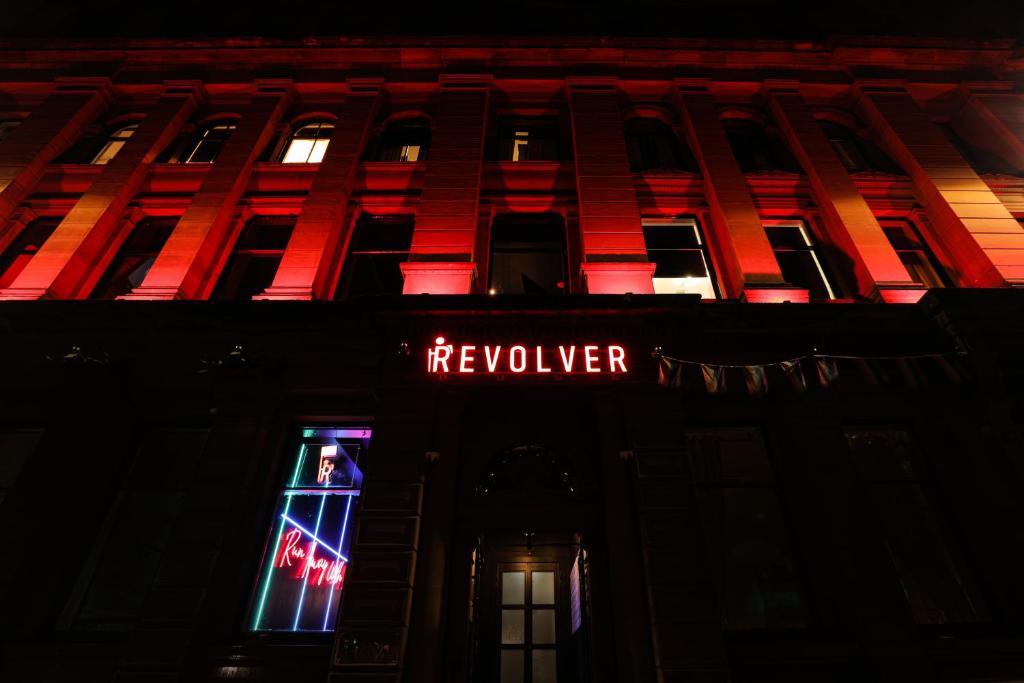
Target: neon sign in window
[{"x": 307, "y": 556}]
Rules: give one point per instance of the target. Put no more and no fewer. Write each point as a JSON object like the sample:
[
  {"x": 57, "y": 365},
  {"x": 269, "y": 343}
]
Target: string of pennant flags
[{"x": 823, "y": 369}]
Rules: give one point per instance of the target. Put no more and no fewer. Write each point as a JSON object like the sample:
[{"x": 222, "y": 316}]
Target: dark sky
[{"x": 699, "y": 18}]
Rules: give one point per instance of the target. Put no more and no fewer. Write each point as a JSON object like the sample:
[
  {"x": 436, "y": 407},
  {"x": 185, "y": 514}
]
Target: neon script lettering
[
  {"x": 317, "y": 570},
  {"x": 518, "y": 359}
]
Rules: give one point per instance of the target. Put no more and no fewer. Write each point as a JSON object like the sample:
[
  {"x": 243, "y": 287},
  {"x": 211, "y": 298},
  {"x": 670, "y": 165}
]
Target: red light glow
[{"x": 445, "y": 358}]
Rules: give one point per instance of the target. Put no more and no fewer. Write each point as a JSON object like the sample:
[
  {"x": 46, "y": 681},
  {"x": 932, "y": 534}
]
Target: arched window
[
  {"x": 308, "y": 143},
  {"x": 114, "y": 143},
  {"x": 756, "y": 150},
  {"x": 135, "y": 257},
  {"x": 857, "y": 153},
  {"x": 209, "y": 143},
  {"x": 652, "y": 146},
  {"x": 405, "y": 140}
]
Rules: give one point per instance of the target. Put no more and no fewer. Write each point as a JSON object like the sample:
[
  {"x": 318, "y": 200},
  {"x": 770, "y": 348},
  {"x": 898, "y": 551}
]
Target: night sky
[{"x": 695, "y": 18}]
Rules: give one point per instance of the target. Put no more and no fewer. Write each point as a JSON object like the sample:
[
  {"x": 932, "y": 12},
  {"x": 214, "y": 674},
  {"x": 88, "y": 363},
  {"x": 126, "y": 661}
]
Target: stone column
[
  {"x": 67, "y": 258},
  {"x": 748, "y": 262},
  {"x": 51, "y": 128},
  {"x": 185, "y": 267},
  {"x": 320, "y": 229},
  {"x": 847, "y": 217},
  {"x": 996, "y": 115},
  {"x": 614, "y": 253},
  {"x": 441, "y": 260},
  {"x": 984, "y": 240}
]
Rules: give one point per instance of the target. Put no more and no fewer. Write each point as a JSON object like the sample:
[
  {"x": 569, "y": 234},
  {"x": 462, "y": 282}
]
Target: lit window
[
  {"x": 114, "y": 144},
  {"x": 254, "y": 259},
  {"x": 6, "y": 127},
  {"x": 919, "y": 261},
  {"x": 681, "y": 256},
  {"x": 745, "y": 530},
  {"x": 378, "y": 248},
  {"x": 407, "y": 140},
  {"x": 932, "y": 584},
  {"x": 308, "y": 144},
  {"x": 528, "y": 254},
  {"x": 307, "y": 554},
  {"x": 210, "y": 143},
  {"x": 24, "y": 247},
  {"x": 528, "y": 139},
  {"x": 135, "y": 257},
  {"x": 798, "y": 259}
]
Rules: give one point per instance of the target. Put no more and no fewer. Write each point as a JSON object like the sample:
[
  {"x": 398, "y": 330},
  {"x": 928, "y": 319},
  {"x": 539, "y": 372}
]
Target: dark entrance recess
[{"x": 528, "y": 254}]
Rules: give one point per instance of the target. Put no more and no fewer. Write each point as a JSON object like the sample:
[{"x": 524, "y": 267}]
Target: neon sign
[{"x": 497, "y": 359}]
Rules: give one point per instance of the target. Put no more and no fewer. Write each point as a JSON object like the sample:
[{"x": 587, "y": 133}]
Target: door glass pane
[
  {"x": 513, "y": 588},
  {"x": 512, "y": 666},
  {"x": 544, "y": 666},
  {"x": 543, "y": 588},
  {"x": 543, "y": 626},
  {"x": 512, "y": 627}
]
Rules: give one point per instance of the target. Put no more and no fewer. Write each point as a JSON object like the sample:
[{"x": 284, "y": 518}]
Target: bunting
[{"x": 870, "y": 370}]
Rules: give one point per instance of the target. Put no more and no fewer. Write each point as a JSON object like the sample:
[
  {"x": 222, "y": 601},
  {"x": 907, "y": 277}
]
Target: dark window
[
  {"x": 378, "y": 248},
  {"x": 747, "y": 539},
  {"x": 209, "y": 143},
  {"x": 308, "y": 144},
  {"x": 16, "y": 447},
  {"x": 799, "y": 260},
  {"x": 528, "y": 254},
  {"x": 135, "y": 257},
  {"x": 857, "y": 153},
  {"x": 917, "y": 258},
  {"x": 118, "y": 576},
  {"x": 24, "y": 247},
  {"x": 981, "y": 160},
  {"x": 307, "y": 554},
  {"x": 681, "y": 255},
  {"x": 528, "y": 139},
  {"x": 406, "y": 140},
  {"x": 899, "y": 493},
  {"x": 255, "y": 258},
  {"x": 6, "y": 127},
  {"x": 756, "y": 150},
  {"x": 114, "y": 143},
  {"x": 652, "y": 146}
]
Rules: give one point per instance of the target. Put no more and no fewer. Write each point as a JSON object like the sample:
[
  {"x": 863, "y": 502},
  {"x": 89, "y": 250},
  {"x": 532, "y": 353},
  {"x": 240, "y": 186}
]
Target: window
[
  {"x": 527, "y": 627},
  {"x": 135, "y": 257},
  {"x": 738, "y": 500},
  {"x": 114, "y": 144},
  {"x": 308, "y": 144},
  {"x": 407, "y": 140},
  {"x": 120, "y": 573},
  {"x": 528, "y": 254},
  {"x": 756, "y": 150},
  {"x": 6, "y": 127},
  {"x": 914, "y": 253},
  {"x": 378, "y": 248},
  {"x": 255, "y": 258},
  {"x": 24, "y": 247},
  {"x": 798, "y": 259},
  {"x": 209, "y": 143},
  {"x": 857, "y": 153},
  {"x": 897, "y": 491},
  {"x": 652, "y": 146},
  {"x": 307, "y": 554},
  {"x": 528, "y": 139},
  {"x": 17, "y": 446},
  {"x": 681, "y": 256}
]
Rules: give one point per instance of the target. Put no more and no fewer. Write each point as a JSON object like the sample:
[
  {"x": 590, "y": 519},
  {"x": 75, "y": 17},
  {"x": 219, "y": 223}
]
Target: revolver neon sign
[{"x": 496, "y": 359}]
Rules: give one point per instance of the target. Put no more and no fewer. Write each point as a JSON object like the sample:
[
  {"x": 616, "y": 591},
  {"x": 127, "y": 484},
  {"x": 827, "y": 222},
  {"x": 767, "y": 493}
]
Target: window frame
[
  {"x": 320, "y": 125},
  {"x": 346, "y": 272},
  {"x": 812, "y": 247},
  {"x": 219, "y": 290},
  {"x": 228, "y": 124},
  {"x": 565, "y": 260},
  {"x": 513, "y": 130},
  {"x": 703, "y": 247},
  {"x": 114, "y": 143},
  {"x": 928, "y": 255}
]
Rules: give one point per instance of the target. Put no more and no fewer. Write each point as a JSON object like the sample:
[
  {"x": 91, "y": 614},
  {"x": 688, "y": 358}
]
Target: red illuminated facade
[{"x": 512, "y": 360}]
